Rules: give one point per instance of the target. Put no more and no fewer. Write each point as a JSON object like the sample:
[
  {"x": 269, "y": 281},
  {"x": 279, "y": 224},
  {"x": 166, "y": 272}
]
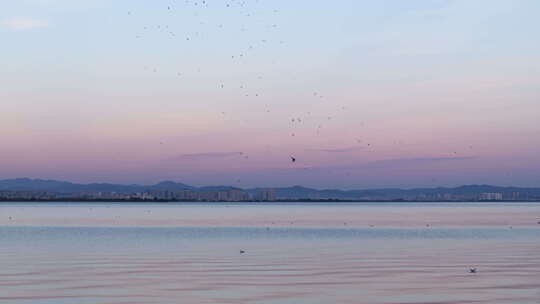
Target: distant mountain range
[
  {"x": 26, "y": 184},
  {"x": 285, "y": 193}
]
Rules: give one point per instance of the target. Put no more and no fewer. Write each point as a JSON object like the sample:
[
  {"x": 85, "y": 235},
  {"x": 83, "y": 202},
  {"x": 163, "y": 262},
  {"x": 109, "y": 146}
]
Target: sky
[{"x": 363, "y": 94}]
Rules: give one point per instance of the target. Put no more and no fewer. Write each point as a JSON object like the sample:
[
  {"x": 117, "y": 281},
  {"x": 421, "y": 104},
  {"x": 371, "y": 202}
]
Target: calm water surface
[{"x": 294, "y": 253}]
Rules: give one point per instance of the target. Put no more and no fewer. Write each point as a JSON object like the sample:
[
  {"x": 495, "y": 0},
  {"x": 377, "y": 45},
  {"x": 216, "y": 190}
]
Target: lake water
[{"x": 123, "y": 253}]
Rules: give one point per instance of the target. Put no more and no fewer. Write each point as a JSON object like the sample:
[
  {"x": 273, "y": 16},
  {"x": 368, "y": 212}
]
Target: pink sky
[{"x": 416, "y": 95}]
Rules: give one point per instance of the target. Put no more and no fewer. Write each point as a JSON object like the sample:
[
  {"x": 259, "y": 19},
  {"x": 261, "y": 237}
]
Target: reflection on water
[
  {"x": 274, "y": 214},
  {"x": 287, "y": 263}
]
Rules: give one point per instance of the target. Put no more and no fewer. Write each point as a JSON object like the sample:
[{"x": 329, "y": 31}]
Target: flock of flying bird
[
  {"x": 232, "y": 4},
  {"x": 245, "y": 10}
]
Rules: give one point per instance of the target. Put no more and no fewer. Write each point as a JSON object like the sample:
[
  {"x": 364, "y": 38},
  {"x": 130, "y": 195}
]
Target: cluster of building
[
  {"x": 26, "y": 195},
  {"x": 491, "y": 196},
  {"x": 230, "y": 195},
  {"x": 239, "y": 195},
  {"x": 487, "y": 196}
]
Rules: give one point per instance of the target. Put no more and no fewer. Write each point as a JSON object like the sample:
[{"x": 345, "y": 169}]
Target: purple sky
[{"x": 363, "y": 94}]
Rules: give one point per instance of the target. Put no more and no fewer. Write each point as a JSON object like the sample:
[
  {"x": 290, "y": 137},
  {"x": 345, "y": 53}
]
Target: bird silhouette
[
  {"x": 472, "y": 270},
  {"x": 293, "y": 159}
]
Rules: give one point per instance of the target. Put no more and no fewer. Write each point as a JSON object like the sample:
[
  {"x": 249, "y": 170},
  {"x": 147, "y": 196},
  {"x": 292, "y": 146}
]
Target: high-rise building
[
  {"x": 265, "y": 195},
  {"x": 491, "y": 196}
]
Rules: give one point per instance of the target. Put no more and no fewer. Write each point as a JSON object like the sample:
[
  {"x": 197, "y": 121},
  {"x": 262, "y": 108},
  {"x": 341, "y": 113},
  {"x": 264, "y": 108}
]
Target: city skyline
[
  {"x": 361, "y": 94},
  {"x": 24, "y": 189}
]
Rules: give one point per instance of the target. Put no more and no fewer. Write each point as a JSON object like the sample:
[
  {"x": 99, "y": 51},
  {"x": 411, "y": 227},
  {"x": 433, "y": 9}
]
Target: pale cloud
[
  {"x": 24, "y": 23},
  {"x": 337, "y": 150},
  {"x": 207, "y": 155},
  {"x": 394, "y": 163}
]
